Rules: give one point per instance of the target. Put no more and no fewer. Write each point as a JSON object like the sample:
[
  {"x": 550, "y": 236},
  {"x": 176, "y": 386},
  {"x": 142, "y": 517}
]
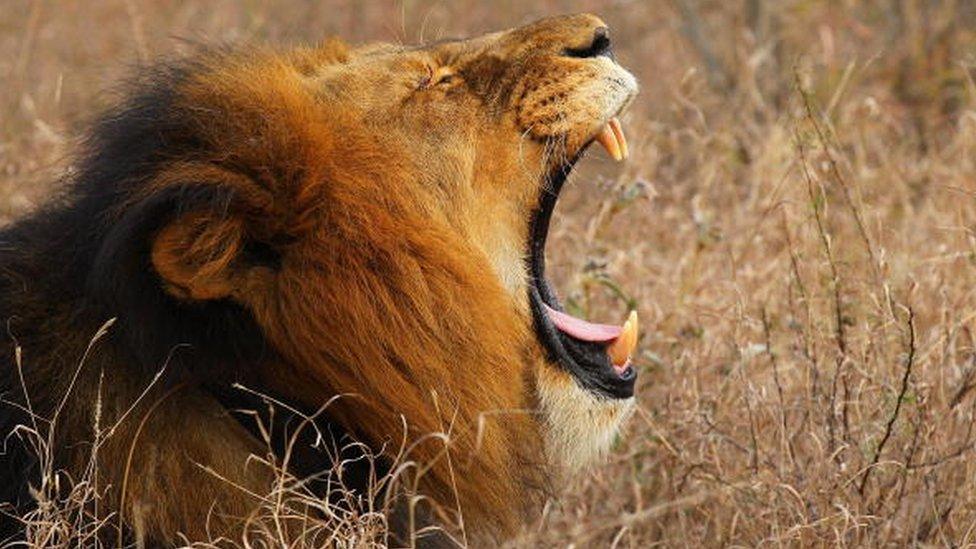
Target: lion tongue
[
  {"x": 581, "y": 329},
  {"x": 612, "y": 138},
  {"x": 621, "y": 340}
]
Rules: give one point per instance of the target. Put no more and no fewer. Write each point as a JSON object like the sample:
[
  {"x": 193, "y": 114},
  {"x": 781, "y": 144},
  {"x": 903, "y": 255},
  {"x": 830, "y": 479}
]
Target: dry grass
[
  {"x": 797, "y": 226},
  {"x": 317, "y": 511}
]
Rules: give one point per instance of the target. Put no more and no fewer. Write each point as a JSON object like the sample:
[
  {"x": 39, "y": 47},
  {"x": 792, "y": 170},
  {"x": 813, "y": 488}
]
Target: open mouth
[{"x": 597, "y": 355}]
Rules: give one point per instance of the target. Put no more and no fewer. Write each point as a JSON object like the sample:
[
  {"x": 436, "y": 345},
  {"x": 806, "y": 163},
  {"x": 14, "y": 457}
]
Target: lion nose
[{"x": 600, "y": 45}]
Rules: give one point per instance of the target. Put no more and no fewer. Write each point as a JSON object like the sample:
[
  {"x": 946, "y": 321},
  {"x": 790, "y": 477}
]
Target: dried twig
[
  {"x": 835, "y": 170},
  {"x": 694, "y": 30},
  {"x": 889, "y": 428},
  {"x": 774, "y": 362},
  {"x": 840, "y": 335}
]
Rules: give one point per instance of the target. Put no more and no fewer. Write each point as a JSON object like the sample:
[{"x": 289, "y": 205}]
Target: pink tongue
[{"x": 581, "y": 329}]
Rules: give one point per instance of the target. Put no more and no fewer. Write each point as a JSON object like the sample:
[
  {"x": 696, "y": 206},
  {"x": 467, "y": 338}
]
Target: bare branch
[{"x": 889, "y": 428}]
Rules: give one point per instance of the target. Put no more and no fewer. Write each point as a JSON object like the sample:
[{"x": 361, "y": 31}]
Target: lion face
[
  {"x": 489, "y": 128},
  {"x": 485, "y": 125},
  {"x": 382, "y": 214}
]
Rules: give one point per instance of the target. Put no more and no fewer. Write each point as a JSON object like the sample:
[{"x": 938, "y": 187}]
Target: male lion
[{"x": 364, "y": 222}]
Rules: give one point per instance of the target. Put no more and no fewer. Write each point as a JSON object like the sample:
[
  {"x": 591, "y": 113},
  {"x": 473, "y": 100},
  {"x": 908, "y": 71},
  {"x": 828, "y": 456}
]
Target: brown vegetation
[{"x": 797, "y": 225}]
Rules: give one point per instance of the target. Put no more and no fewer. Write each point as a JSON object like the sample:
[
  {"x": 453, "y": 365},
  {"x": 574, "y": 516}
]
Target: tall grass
[{"x": 797, "y": 226}]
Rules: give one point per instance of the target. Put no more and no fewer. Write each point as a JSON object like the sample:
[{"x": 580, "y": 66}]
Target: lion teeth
[
  {"x": 612, "y": 138},
  {"x": 618, "y": 132},
  {"x": 623, "y": 347}
]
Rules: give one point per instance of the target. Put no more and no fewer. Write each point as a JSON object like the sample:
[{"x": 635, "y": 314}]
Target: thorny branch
[{"x": 889, "y": 428}]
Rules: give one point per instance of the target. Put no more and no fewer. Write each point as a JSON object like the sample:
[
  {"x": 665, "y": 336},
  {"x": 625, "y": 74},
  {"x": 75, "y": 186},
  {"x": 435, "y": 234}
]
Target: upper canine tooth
[
  {"x": 623, "y": 347},
  {"x": 618, "y": 133},
  {"x": 608, "y": 138}
]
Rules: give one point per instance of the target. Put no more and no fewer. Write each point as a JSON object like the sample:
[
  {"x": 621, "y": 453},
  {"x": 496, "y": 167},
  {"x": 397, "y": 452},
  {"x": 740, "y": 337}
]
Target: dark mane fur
[{"x": 82, "y": 260}]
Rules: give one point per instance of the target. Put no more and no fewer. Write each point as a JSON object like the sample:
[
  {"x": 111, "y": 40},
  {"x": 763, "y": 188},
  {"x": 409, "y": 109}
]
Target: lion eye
[{"x": 436, "y": 77}]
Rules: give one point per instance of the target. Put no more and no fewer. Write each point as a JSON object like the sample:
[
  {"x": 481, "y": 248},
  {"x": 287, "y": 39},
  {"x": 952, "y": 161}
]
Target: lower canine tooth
[
  {"x": 608, "y": 138},
  {"x": 623, "y": 347}
]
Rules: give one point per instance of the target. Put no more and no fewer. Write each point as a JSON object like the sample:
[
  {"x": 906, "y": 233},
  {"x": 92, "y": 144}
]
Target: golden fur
[{"x": 367, "y": 210}]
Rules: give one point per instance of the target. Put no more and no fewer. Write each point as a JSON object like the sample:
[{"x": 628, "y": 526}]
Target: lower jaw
[
  {"x": 581, "y": 426},
  {"x": 586, "y": 362}
]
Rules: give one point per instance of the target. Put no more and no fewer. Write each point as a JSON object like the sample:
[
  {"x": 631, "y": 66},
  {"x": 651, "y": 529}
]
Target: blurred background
[{"x": 796, "y": 225}]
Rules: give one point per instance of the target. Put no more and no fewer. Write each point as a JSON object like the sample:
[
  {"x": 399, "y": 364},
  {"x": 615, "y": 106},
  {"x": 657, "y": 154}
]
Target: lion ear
[
  {"x": 198, "y": 255},
  {"x": 198, "y": 245},
  {"x": 208, "y": 249},
  {"x": 185, "y": 244}
]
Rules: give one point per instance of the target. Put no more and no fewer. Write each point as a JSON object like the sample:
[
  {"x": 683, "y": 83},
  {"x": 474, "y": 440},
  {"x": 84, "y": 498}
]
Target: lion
[{"x": 363, "y": 226}]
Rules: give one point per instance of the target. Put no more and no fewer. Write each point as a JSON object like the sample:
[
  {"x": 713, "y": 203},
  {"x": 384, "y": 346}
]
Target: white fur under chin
[{"x": 581, "y": 425}]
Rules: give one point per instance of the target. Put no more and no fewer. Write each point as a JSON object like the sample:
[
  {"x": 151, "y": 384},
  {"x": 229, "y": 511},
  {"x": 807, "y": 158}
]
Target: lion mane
[{"x": 319, "y": 224}]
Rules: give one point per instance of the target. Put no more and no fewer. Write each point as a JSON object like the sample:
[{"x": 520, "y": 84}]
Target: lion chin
[
  {"x": 353, "y": 237},
  {"x": 581, "y": 426}
]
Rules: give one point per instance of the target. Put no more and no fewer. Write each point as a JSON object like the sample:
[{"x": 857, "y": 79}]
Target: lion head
[{"x": 372, "y": 222}]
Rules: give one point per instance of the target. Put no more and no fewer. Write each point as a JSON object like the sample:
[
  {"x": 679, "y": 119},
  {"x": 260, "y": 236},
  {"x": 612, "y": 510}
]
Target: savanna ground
[{"x": 796, "y": 225}]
